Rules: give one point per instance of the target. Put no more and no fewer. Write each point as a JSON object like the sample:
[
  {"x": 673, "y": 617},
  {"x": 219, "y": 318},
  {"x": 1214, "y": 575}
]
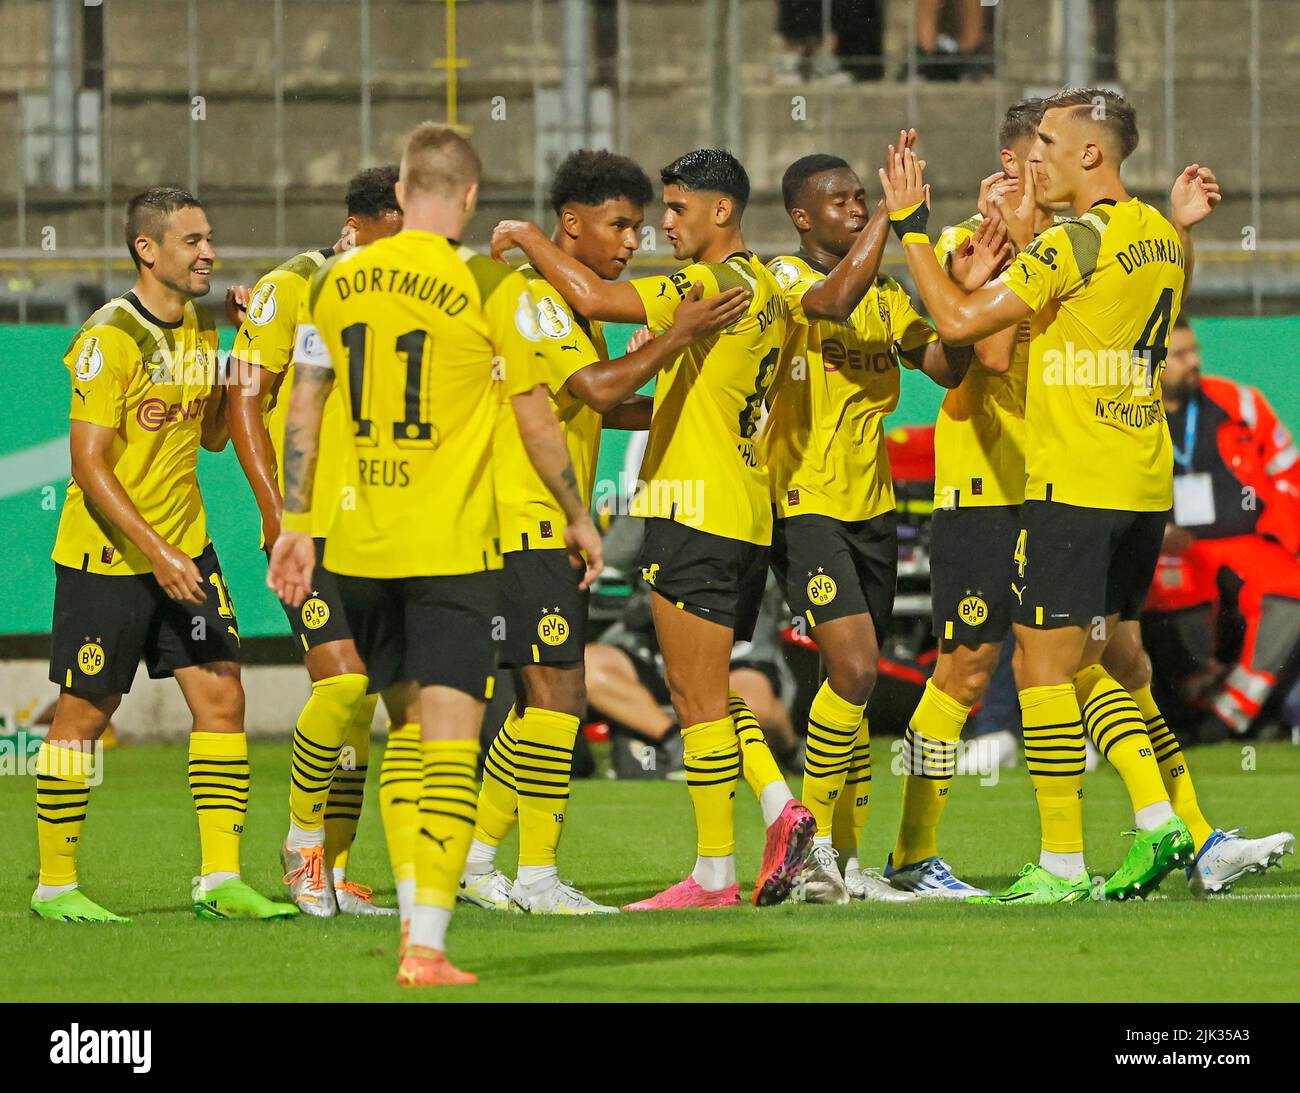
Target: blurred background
[{"x": 265, "y": 108}]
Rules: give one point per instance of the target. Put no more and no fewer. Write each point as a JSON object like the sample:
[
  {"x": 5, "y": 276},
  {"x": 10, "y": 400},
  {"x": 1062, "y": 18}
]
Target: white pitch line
[{"x": 36, "y": 466}]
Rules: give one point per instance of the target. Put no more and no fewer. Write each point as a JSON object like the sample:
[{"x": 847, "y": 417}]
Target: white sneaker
[
  {"x": 356, "y": 899},
  {"x": 869, "y": 885},
  {"x": 984, "y": 754},
  {"x": 820, "y": 881},
  {"x": 553, "y": 897},
  {"x": 1227, "y": 857},
  {"x": 309, "y": 880},
  {"x": 490, "y": 890}
]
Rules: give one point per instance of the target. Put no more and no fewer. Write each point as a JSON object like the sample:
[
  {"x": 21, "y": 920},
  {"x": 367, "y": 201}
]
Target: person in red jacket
[{"x": 1235, "y": 530}]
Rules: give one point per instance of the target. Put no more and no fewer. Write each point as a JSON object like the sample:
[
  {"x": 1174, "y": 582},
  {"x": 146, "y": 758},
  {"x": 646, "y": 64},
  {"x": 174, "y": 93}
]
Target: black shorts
[
  {"x": 1073, "y": 565},
  {"x": 971, "y": 572},
  {"x": 321, "y": 618},
  {"x": 434, "y": 631},
  {"x": 711, "y": 576},
  {"x": 830, "y": 569},
  {"x": 105, "y": 625},
  {"x": 545, "y": 611}
]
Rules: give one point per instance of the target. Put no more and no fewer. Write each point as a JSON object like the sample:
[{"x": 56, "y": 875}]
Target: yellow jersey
[
  {"x": 1105, "y": 289},
  {"x": 702, "y": 466},
  {"x": 528, "y": 513},
  {"x": 266, "y": 339},
  {"x": 426, "y": 339},
  {"x": 979, "y": 436},
  {"x": 824, "y": 443},
  {"x": 150, "y": 382}
]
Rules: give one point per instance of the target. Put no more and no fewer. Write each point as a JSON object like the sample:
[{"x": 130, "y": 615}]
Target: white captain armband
[{"x": 309, "y": 348}]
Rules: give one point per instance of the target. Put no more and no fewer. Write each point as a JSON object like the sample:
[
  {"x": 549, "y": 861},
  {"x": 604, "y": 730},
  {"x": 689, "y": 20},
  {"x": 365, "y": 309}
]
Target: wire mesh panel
[{"x": 266, "y": 107}]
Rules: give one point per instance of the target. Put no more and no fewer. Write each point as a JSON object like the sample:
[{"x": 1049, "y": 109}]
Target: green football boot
[
  {"x": 1034, "y": 884},
  {"x": 1152, "y": 855},
  {"x": 234, "y": 899},
  {"x": 73, "y": 906}
]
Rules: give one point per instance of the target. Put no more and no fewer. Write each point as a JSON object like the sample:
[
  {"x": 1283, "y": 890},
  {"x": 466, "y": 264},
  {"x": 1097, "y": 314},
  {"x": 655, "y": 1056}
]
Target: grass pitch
[{"x": 626, "y": 840}]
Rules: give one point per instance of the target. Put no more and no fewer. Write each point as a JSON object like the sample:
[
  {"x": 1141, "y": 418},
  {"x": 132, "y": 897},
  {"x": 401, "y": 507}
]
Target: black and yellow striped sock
[
  {"x": 348, "y": 789},
  {"x": 854, "y": 801},
  {"x": 712, "y": 761},
  {"x": 543, "y": 767},
  {"x": 317, "y": 741},
  {"x": 1174, "y": 771},
  {"x": 219, "y": 781},
  {"x": 832, "y": 733},
  {"x": 448, "y": 798},
  {"x": 929, "y": 761},
  {"x": 1119, "y": 731},
  {"x": 498, "y": 800},
  {"x": 399, "y": 797},
  {"x": 63, "y": 772},
  {"x": 1055, "y": 755},
  {"x": 757, "y": 761}
]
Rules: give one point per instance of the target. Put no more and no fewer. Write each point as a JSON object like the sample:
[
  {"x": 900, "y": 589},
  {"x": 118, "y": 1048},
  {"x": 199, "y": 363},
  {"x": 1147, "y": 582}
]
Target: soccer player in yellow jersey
[
  {"x": 325, "y": 793},
  {"x": 709, "y": 516},
  {"x": 426, "y": 339},
  {"x": 835, "y": 543},
  {"x": 599, "y": 200},
  {"x": 1102, "y": 290},
  {"x": 136, "y": 576}
]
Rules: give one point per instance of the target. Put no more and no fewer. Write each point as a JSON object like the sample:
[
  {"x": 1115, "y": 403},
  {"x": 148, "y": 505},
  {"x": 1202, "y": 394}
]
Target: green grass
[{"x": 626, "y": 840}]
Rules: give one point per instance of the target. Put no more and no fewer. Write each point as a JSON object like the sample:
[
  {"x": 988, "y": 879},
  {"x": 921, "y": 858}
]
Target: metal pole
[
  {"x": 106, "y": 143},
  {"x": 22, "y": 189},
  {"x": 278, "y": 121},
  {"x": 574, "y": 34},
  {"x": 63, "y": 98},
  {"x": 192, "y": 26},
  {"x": 365, "y": 83},
  {"x": 538, "y": 36},
  {"x": 1171, "y": 163},
  {"x": 1256, "y": 203},
  {"x": 733, "y": 78},
  {"x": 1077, "y": 35}
]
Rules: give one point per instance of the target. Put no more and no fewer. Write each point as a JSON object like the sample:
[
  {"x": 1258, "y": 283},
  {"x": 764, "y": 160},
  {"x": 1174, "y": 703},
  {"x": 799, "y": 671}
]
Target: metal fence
[{"x": 265, "y": 107}]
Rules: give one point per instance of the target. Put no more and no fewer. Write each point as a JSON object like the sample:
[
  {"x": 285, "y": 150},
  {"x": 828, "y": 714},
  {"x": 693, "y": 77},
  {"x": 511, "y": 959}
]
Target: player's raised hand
[
  {"x": 176, "y": 572},
  {"x": 699, "y": 318},
  {"x": 903, "y": 182},
  {"x": 506, "y": 236},
  {"x": 293, "y": 562},
  {"x": 1195, "y": 195},
  {"x": 236, "y": 304},
  {"x": 1022, "y": 218},
  {"x": 981, "y": 257},
  {"x": 582, "y": 541}
]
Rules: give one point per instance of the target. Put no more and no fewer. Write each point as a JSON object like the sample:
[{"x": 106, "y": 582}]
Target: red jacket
[{"x": 1257, "y": 450}]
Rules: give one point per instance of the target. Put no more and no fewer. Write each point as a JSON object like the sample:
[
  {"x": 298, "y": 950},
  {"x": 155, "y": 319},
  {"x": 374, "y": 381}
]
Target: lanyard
[{"x": 1183, "y": 456}]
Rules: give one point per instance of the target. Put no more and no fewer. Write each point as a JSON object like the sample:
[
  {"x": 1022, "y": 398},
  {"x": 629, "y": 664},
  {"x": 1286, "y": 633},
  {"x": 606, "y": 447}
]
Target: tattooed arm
[
  {"x": 293, "y": 558},
  {"x": 544, "y": 443}
]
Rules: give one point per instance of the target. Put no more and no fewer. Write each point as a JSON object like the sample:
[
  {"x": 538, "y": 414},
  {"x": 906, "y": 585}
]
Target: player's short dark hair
[
  {"x": 801, "y": 170},
  {"x": 1109, "y": 108},
  {"x": 592, "y": 176},
  {"x": 1020, "y": 121},
  {"x": 148, "y": 213},
  {"x": 373, "y": 191},
  {"x": 713, "y": 169}
]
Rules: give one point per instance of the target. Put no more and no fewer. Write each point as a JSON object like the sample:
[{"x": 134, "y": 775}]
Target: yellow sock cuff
[
  {"x": 709, "y": 736},
  {"x": 831, "y": 709},
  {"x": 69, "y": 761},
  {"x": 551, "y": 727},
  {"x": 939, "y": 716},
  {"x": 227, "y": 745}
]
